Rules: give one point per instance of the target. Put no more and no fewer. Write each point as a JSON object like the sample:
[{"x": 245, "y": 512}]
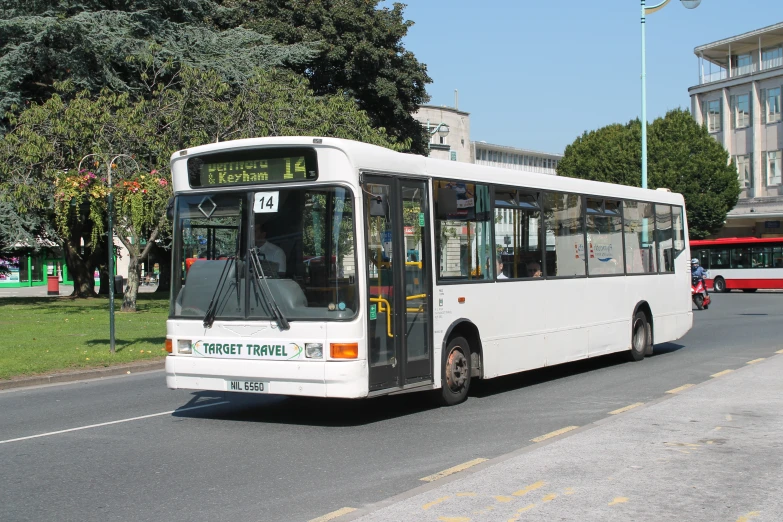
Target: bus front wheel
[
  {"x": 719, "y": 285},
  {"x": 639, "y": 340},
  {"x": 455, "y": 378}
]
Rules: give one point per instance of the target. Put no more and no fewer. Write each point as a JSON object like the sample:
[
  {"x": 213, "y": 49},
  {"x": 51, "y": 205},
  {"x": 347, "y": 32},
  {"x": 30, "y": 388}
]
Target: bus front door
[{"x": 398, "y": 270}]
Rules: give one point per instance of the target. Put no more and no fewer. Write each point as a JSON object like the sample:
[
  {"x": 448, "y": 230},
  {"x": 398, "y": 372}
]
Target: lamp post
[
  {"x": 688, "y": 4},
  {"x": 110, "y": 212},
  {"x": 442, "y": 129}
]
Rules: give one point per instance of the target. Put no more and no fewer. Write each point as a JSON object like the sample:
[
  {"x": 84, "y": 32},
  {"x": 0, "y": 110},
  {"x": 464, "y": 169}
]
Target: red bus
[{"x": 742, "y": 263}]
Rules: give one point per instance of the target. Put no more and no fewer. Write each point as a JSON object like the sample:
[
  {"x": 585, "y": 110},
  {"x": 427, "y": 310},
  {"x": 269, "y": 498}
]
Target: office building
[{"x": 738, "y": 98}]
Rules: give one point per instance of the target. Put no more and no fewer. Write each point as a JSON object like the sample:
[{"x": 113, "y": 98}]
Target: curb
[{"x": 80, "y": 375}]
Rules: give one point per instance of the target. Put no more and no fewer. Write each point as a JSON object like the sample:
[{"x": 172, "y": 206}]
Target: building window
[
  {"x": 773, "y": 105},
  {"x": 772, "y": 57},
  {"x": 744, "y": 170},
  {"x": 773, "y": 167},
  {"x": 741, "y": 111},
  {"x": 743, "y": 64},
  {"x": 713, "y": 116}
]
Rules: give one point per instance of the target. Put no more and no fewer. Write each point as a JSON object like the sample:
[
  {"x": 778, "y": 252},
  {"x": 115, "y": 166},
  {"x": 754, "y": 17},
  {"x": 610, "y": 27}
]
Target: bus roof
[
  {"x": 367, "y": 157},
  {"x": 735, "y": 241}
]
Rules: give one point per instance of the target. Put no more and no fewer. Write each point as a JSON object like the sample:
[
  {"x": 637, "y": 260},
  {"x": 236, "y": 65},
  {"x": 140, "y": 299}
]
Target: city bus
[
  {"x": 743, "y": 263},
  {"x": 330, "y": 268}
]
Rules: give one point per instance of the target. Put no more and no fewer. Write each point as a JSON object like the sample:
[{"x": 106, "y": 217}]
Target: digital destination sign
[{"x": 252, "y": 167}]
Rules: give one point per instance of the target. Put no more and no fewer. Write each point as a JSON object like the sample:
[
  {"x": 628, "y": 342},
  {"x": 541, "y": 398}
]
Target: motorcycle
[{"x": 699, "y": 294}]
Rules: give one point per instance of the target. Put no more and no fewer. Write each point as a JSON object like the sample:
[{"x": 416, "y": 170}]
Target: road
[{"x": 116, "y": 449}]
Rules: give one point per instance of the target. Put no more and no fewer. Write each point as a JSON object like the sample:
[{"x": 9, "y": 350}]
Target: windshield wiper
[
  {"x": 269, "y": 299},
  {"x": 209, "y": 316}
]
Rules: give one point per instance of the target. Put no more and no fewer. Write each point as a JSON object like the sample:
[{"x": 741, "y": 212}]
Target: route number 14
[{"x": 265, "y": 202}]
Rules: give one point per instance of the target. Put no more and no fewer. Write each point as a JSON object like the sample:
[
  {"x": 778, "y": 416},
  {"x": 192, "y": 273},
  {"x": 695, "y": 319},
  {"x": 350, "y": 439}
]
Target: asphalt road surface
[{"x": 127, "y": 448}]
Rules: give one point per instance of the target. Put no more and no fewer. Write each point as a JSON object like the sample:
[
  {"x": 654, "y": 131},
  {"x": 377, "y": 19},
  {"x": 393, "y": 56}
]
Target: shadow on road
[{"x": 310, "y": 411}]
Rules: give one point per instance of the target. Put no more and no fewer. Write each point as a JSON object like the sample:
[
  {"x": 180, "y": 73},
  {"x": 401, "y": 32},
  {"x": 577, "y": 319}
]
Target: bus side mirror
[
  {"x": 446, "y": 203},
  {"x": 379, "y": 205},
  {"x": 170, "y": 209}
]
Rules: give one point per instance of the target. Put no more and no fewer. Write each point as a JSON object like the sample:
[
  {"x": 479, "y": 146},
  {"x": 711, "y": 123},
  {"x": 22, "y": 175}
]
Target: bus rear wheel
[
  {"x": 639, "y": 337},
  {"x": 455, "y": 378},
  {"x": 719, "y": 285}
]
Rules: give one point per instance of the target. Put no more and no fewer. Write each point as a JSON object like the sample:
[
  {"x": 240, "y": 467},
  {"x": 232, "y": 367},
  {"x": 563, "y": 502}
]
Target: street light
[
  {"x": 442, "y": 129},
  {"x": 110, "y": 212},
  {"x": 688, "y": 4}
]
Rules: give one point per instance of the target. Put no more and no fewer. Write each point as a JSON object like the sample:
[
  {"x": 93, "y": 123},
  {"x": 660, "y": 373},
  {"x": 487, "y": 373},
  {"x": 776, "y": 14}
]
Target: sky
[{"x": 535, "y": 74}]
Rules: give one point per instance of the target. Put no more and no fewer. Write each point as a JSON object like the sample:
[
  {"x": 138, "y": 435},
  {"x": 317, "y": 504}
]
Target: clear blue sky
[{"x": 535, "y": 74}]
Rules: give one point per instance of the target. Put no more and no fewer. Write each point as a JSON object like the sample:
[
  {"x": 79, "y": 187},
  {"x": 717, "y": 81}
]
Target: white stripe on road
[{"x": 113, "y": 422}]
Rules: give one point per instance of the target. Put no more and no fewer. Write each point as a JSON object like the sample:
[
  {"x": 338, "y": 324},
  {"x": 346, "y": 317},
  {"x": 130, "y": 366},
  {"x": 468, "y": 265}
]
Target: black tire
[
  {"x": 749, "y": 290},
  {"x": 455, "y": 373},
  {"x": 719, "y": 285},
  {"x": 706, "y": 306},
  {"x": 698, "y": 300},
  {"x": 639, "y": 337}
]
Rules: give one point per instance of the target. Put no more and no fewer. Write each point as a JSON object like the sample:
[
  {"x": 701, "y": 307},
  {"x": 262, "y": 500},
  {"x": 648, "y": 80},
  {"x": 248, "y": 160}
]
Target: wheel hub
[
  {"x": 456, "y": 369},
  {"x": 638, "y": 336}
]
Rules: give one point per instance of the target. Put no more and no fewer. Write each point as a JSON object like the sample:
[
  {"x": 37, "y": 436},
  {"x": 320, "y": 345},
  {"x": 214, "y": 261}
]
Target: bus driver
[{"x": 269, "y": 251}]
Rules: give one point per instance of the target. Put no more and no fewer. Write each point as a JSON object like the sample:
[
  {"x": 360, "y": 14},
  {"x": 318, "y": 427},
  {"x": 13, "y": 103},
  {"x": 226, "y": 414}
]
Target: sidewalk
[{"x": 707, "y": 453}]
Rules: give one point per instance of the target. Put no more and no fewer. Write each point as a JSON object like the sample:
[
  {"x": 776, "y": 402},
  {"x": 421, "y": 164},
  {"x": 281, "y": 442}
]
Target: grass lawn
[{"x": 46, "y": 334}]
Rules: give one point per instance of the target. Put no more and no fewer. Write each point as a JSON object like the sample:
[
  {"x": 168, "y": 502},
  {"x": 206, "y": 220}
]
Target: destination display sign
[{"x": 252, "y": 167}]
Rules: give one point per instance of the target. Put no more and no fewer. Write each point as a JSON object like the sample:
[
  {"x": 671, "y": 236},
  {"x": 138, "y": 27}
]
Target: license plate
[{"x": 247, "y": 386}]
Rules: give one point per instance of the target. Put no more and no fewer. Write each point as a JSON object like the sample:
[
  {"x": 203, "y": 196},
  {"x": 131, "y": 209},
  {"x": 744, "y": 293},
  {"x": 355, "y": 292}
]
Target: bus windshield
[{"x": 242, "y": 255}]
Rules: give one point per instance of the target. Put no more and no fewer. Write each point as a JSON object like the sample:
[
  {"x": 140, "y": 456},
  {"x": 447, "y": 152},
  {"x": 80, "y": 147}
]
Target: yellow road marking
[
  {"x": 554, "y": 433},
  {"x": 721, "y": 374},
  {"x": 728, "y": 417},
  {"x": 466, "y": 494},
  {"x": 435, "y": 502},
  {"x": 454, "y": 519},
  {"x": 569, "y": 491},
  {"x": 745, "y": 518},
  {"x": 754, "y": 361},
  {"x": 520, "y": 511},
  {"x": 549, "y": 498},
  {"x": 718, "y": 428},
  {"x": 503, "y": 498},
  {"x": 618, "y": 500},
  {"x": 710, "y": 442},
  {"x": 626, "y": 408},
  {"x": 528, "y": 489},
  {"x": 451, "y": 471},
  {"x": 779, "y": 351},
  {"x": 681, "y": 388},
  {"x": 334, "y": 514}
]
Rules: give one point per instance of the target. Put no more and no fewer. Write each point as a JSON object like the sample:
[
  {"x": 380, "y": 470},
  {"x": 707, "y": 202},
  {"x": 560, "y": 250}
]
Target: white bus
[{"x": 330, "y": 268}]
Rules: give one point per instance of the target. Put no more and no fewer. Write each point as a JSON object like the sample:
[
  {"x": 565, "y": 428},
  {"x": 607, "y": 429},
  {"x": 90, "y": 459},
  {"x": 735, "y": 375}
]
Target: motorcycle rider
[{"x": 698, "y": 272}]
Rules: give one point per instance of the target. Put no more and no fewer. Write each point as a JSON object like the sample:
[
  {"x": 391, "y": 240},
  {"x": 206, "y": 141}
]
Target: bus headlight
[
  {"x": 314, "y": 350},
  {"x": 184, "y": 346}
]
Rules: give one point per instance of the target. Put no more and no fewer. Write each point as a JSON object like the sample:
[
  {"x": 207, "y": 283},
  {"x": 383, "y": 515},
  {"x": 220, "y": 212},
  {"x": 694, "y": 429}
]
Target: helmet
[{"x": 694, "y": 261}]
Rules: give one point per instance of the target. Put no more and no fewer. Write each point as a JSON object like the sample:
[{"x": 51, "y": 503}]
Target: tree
[
  {"x": 361, "y": 55},
  {"x": 103, "y": 43},
  {"x": 39, "y": 156},
  {"x": 682, "y": 156}
]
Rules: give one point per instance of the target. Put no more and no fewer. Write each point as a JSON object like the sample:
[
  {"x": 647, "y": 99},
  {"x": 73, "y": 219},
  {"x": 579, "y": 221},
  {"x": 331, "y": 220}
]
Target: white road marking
[{"x": 112, "y": 422}]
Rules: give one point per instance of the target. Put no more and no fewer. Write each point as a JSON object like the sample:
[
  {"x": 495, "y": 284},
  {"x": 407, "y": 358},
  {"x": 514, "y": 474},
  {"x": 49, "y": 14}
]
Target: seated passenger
[
  {"x": 500, "y": 273},
  {"x": 534, "y": 269}
]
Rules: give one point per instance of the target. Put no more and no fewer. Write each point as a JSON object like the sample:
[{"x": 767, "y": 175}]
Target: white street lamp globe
[
  {"x": 443, "y": 131},
  {"x": 691, "y": 4}
]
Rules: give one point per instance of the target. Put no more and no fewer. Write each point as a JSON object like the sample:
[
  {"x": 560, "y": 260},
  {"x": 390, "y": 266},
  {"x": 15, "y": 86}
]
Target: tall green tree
[
  {"x": 103, "y": 43},
  {"x": 682, "y": 156},
  {"x": 361, "y": 55},
  {"x": 197, "y": 107}
]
